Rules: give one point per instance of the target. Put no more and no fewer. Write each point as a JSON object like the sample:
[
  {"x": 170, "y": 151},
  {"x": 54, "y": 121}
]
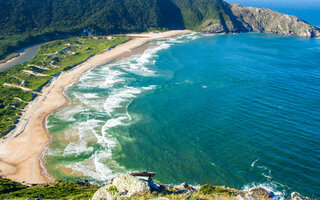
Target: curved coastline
[{"x": 21, "y": 157}]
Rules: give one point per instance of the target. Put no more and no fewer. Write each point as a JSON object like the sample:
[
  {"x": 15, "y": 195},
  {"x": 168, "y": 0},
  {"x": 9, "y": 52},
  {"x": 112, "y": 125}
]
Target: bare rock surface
[
  {"x": 124, "y": 186},
  {"x": 297, "y": 196},
  {"x": 137, "y": 187},
  {"x": 249, "y": 19}
]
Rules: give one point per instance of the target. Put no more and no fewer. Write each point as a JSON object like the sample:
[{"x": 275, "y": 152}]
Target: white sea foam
[
  {"x": 54, "y": 151},
  {"x": 90, "y": 95},
  {"x": 104, "y": 77},
  {"x": 89, "y": 100},
  {"x": 113, "y": 78},
  {"x": 89, "y": 169},
  {"x": 95, "y": 166},
  {"x": 272, "y": 185},
  {"x": 86, "y": 133},
  {"x": 267, "y": 170},
  {"x": 101, "y": 168},
  {"x": 254, "y": 162},
  {"x": 118, "y": 97},
  {"x": 114, "y": 122},
  {"x": 192, "y": 36},
  {"x": 139, "y": 64},
  {"x": 88, "y": 130},
  {"x": 67, "y": 114},
  {"x": 150, "y": 87},
  {"x": 107, "y": 138},
  {"x": 269, "y": 187},
  {"x": 77, "y": 148},
  {"x": 48, "y": 126}
]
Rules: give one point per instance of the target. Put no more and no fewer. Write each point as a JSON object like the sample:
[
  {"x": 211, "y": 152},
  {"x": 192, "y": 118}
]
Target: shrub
[
  {"x": 211, "y": 189},
  {"x": 112, "y": 189}
]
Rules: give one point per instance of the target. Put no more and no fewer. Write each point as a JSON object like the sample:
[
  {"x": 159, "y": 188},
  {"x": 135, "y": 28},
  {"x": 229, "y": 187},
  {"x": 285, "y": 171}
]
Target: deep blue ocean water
[{"x": 237, "y": 110}]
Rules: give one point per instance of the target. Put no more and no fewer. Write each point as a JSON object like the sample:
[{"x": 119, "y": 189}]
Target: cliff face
[
  {"x": 249, "y": 19},
  {"x": 129, "y": 187},
  {"x": 137, "y": 187}
]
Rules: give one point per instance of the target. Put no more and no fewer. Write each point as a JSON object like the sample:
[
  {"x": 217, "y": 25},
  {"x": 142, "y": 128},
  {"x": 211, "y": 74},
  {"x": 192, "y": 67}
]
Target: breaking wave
[{"x": 99, "y": 103}]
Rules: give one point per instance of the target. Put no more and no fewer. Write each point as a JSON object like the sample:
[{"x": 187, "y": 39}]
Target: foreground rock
[
  {"x": 123, "y": 186},
  {"x": 262, "y": 20},
  {"x": 135, "y": 187},
  {"x": 131, "y": 187},
  {"x": 297, "y": 196},
  {"x": 127, "y": 187}
]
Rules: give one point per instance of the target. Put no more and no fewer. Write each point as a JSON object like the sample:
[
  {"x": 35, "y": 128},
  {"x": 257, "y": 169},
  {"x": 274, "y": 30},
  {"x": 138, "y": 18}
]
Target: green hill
[{"x": 23, "y": 22}]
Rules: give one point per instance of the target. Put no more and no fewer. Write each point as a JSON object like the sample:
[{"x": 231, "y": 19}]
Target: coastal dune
[{"x": 21, "y": 152}]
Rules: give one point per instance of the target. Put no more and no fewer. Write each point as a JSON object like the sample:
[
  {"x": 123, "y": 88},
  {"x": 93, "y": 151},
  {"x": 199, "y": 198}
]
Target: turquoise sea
[{"x": 237, "y": 110}]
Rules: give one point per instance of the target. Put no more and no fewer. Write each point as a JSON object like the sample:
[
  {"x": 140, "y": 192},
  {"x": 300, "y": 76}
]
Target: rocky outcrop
[
  {"x": 238, "y": 18},
  {"x": 269, "y": 21},
  {"x": 297, "y": 196},
  {"x": 124, "y": 186},
  {"x": 132, "y": 187},
  {"x": 137, "y": 187},
  {"x": 259, "y": 193}
]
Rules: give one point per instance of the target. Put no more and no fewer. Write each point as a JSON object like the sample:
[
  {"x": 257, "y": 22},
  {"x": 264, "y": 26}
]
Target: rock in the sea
[
  {"x": 297, "y": 196},
  {"x": 124, "y": 186},
  {"x": 259, "y": 193}
]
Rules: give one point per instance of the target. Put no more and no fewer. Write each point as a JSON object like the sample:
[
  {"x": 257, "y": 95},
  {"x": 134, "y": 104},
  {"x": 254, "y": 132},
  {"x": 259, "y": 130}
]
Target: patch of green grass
[
  {"x": 61, "y": 190},
  {"x": 12, "y": 101},
  {"x": 211, "y": 189},
  {"x": 113, "y": 189}
]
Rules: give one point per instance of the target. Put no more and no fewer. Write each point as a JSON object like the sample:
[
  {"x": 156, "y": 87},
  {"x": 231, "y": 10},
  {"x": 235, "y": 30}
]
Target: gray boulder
[
  {"x": 123, "y": 186},
  {"x": 297, "y": 196},
  {"x": 259, "y": 193}
]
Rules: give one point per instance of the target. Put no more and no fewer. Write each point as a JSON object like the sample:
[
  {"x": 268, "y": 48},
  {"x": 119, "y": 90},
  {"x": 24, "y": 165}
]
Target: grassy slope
[
  {"x": 59, "y": 190},
  {"x": 52, "y": 58}
]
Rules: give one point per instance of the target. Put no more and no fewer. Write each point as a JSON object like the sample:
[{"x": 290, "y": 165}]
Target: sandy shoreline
[{"x": 22, "y": 150}]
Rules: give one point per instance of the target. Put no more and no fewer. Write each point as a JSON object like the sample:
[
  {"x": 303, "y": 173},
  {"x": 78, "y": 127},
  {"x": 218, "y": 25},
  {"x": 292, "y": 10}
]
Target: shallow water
[
  {"x": 236, "y": 110},
  {"x": 26, "y": 54}
]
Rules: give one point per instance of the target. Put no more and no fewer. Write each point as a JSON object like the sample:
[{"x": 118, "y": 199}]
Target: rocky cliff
[
  {"x": 132, "y": 187},
  {"x": 263, "y": 20},
  {"x": 135, "y": 187}
]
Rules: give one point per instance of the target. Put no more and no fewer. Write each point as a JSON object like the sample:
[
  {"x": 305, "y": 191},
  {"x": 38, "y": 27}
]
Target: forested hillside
[{"x": 22, "y": 22}]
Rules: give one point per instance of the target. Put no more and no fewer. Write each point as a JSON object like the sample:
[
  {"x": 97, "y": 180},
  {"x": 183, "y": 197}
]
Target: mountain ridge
[{"x": 25, "y": 22}]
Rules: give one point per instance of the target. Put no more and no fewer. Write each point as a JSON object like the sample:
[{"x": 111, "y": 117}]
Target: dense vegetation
[
  {"x": 59, "y": 190},
  {"x": 21, "y": 83},
  {"x": 24, "y": 22}
]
